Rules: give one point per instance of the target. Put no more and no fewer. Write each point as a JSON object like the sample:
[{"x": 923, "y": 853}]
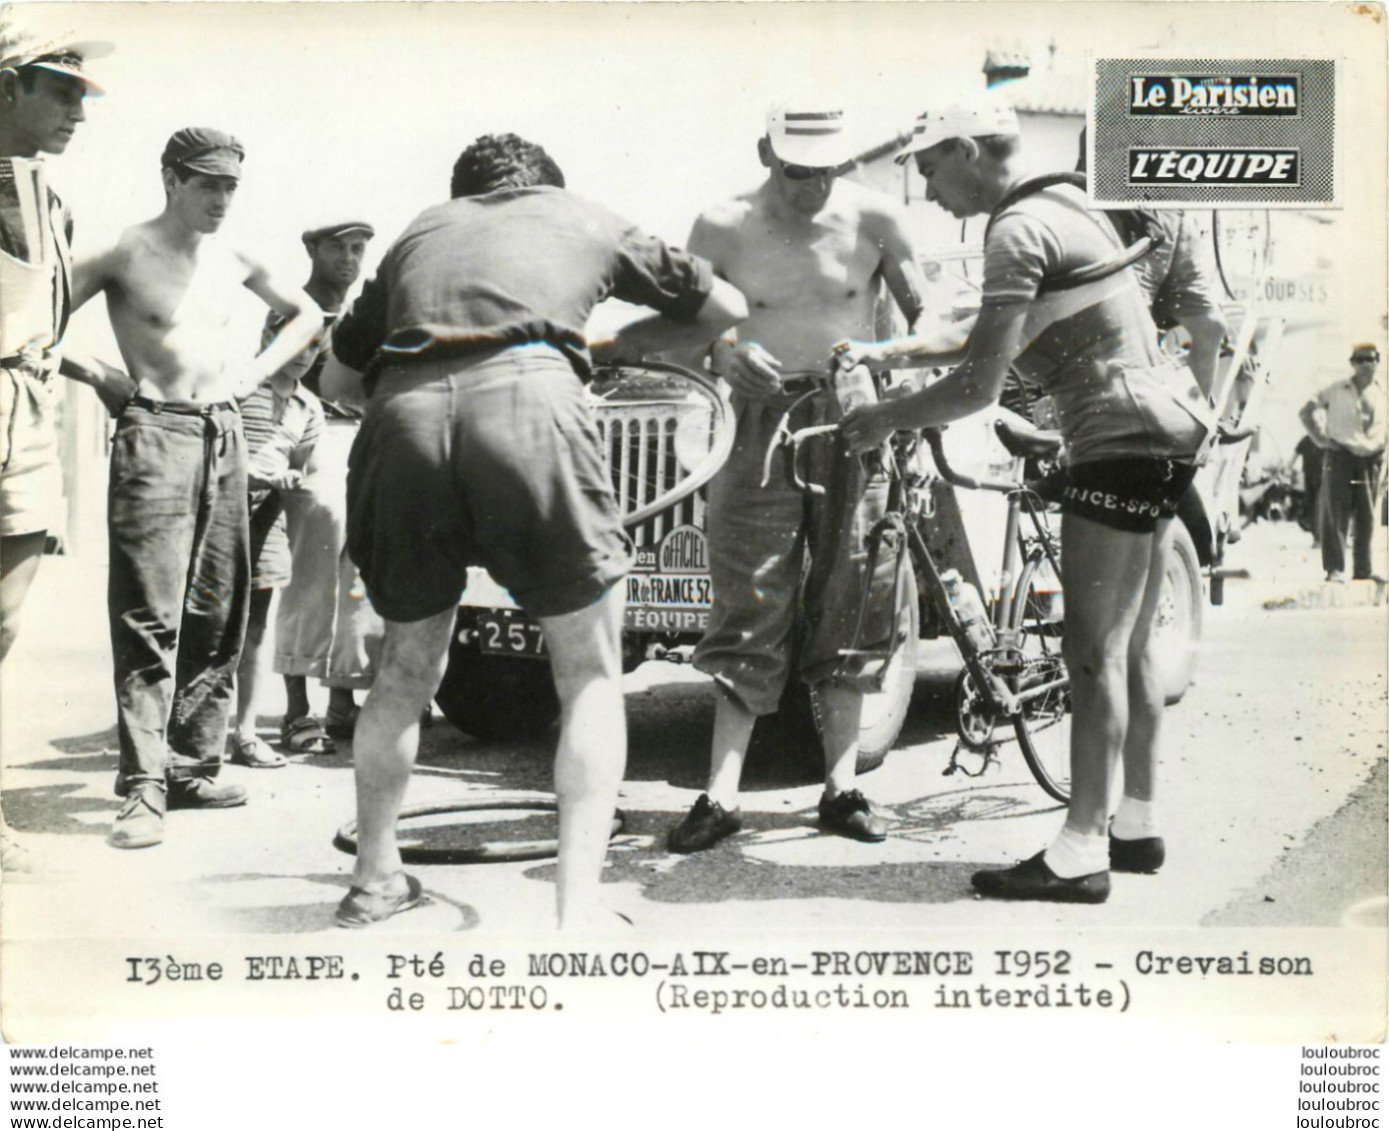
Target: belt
[
  {"x": 29, "y": 364},
  {"x": 181, "y": 408}
]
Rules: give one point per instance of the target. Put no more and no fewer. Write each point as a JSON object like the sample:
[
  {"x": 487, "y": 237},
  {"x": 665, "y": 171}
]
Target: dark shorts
[
  {"x": 1127, "y": 494},
  {"x": 495, "y": 463}
]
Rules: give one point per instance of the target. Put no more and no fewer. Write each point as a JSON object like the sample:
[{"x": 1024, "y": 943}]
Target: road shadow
[
  {"x": 56, "y": 809},
  {"x": 736, "y": 869},
  {"x": 98, "y": 742},
  {"x": 315, "y": 917}
]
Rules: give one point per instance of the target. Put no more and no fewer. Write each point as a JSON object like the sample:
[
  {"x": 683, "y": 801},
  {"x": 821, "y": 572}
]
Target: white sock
[
  {"x": 1135, "y": 819},
  {"x": 1075, "y": 854}
]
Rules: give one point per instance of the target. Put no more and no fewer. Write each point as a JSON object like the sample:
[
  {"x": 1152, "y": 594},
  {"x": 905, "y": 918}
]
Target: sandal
[
  {"x": 304, "y": 735},
  {"x": 254, "y": 753},
  {"x": 341, "y": 726},
  {"x": 362, "y": 908}
]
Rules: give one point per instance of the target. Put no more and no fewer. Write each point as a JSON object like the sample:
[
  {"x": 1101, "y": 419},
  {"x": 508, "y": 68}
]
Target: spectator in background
[
  {"x": 326, "y": 627},
  {"x": 1347, "y": 420},
  {"x": 180, "y": 564},
  {"x": 1311, "y": 456},
  {"x": 282, "y": 421},
  {"x": 42, "y": 87}
]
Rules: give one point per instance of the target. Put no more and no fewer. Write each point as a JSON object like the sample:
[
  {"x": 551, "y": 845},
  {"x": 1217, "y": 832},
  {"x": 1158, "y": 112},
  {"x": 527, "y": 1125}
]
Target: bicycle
[{"x": 1013, "y": 669}]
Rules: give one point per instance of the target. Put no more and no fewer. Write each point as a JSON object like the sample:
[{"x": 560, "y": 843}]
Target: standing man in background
[
  {"x": 180, "y": 566},
  {"x": 326, "y": 627},
  {"x": 1347, "y": 419},
  {"x": 812, "y": 253},
  {"x": 43, "y": 83}
]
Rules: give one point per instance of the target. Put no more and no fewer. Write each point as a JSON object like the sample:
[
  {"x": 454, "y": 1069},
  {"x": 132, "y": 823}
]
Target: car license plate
[{"x": 504, "y": 632}]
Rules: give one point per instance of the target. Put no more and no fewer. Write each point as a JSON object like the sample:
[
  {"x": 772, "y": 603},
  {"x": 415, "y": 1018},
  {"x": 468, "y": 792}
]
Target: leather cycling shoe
[
  {"x": 848, "y": 814},
  {"x": 204, "y": 793},
  {"x": 704, "y": 826},
  {"x": 1032, "y": 879},
  {"x": 1142, "y": 854}
]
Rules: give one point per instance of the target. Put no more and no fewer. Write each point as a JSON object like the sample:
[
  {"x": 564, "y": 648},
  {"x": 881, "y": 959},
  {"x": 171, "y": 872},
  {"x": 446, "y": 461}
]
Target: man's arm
[
  {"x": 970, "y": 387},
  {"x": 722, "y": 307},
  {"x": 93, "y": 274},
  {"x": 304, "y": 323},
  {"x": 113, "y": 386},
  {"x": 340, "y": 382},
  {"x": 1370, "y": 443},
  {"x": 747, "y": 367},
  {"x": 1313, "y": 417},
  {"x": 1207, "y": 333},
  {"x": 90, "y": 276},
  {"x": 899, "y": 267}
]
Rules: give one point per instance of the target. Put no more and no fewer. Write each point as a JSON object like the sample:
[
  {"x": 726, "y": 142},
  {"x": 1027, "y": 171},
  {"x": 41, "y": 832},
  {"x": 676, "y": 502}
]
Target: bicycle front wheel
[{"x": 1043, "y": 725}]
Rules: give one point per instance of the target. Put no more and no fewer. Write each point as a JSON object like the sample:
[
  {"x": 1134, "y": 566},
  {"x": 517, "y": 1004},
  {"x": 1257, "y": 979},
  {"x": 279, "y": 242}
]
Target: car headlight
[{"x": 693, "y": 439}]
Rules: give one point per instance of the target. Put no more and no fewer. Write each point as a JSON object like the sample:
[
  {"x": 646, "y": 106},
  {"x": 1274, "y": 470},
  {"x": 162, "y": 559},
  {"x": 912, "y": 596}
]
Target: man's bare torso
[
  {"x": 810, "y": 281},
  {"x": 170, "y": 308}
]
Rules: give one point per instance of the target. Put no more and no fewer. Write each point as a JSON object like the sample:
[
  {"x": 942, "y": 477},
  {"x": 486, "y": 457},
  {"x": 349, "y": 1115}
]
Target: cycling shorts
[{"x": 1127, "y": 494}]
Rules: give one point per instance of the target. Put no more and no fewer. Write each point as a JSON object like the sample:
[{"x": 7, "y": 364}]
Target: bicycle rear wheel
[
  {"x": 666, "y": 431},
  {"x": 1043, "y": 725}
]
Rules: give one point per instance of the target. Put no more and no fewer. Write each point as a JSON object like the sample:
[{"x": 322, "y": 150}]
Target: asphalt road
[{"x": 1274, "y": 799}]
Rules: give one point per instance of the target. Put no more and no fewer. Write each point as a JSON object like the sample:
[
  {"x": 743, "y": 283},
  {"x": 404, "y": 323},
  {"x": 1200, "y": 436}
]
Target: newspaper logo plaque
[{"x": 1214, "y": 132}]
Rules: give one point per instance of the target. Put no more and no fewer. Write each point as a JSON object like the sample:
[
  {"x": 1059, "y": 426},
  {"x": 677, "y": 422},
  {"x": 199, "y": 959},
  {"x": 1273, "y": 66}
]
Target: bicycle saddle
[{"x": 1041, "y": 444}]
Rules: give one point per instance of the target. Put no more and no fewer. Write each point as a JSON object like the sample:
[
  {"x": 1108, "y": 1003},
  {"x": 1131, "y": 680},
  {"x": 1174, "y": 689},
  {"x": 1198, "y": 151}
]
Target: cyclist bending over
[{"x": 1133, "y": 423}]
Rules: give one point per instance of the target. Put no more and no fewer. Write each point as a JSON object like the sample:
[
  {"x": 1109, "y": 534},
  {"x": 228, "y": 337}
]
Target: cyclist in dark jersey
[{"x": 1133, "y": 422}]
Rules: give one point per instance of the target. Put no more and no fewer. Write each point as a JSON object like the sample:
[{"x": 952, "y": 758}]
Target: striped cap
[{"x": 804, "y": 133}]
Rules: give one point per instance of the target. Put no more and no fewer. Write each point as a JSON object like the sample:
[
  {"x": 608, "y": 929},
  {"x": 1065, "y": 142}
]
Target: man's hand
[
  {"x": 749, "y": 369},
  {"x": 115, "y": 388},
  {"x": 289, "y": 479},
  {"x": 851, "y": 353},
  {"x": 866, "y": 427}
]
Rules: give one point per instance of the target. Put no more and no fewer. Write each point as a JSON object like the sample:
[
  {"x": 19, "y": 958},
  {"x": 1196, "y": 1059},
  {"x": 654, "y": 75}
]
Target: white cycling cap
[{"x": 983, "y": 114}]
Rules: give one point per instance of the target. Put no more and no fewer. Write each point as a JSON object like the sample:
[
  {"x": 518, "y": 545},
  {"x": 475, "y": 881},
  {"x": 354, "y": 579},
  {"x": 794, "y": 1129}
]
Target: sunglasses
[
  {"x": 807, "y": 172},
  {"x": 1364, "y": 358}
]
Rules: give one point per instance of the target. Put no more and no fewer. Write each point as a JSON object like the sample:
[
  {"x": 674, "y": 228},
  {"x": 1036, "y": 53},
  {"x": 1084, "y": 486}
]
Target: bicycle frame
[{"x": 903, "y": 518}]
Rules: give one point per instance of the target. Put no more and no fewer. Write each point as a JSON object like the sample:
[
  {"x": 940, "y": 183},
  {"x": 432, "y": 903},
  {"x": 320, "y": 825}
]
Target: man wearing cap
[
  {"x": 812, "y": 253},
  {"x": 1133, "y": 423},
  {"x": 326, "y": 627},
  {"x": 1347, "y": 421},
  {"x": 179, "y": 573},
  {"x": 42, "y": 87},
  {"x": 478, "y": 448}
]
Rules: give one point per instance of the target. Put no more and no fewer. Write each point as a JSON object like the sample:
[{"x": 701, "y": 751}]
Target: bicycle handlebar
[{"x": 959, "y": 479}]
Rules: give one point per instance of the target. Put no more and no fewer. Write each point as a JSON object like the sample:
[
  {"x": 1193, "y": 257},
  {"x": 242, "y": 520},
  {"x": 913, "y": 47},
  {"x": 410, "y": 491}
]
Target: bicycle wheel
[
  {"x": 665, "y": 430},
  {"x": 1044, "y": 725}
]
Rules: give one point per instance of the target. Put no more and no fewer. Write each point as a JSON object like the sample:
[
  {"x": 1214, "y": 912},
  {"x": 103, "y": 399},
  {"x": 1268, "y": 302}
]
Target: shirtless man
[
  {"x": 811, "y": 253},
  {"x": 179, "y": 573}
]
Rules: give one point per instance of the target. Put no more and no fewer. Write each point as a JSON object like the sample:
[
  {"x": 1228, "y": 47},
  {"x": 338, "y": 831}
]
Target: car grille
[{"x": 639, "y": 444}]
